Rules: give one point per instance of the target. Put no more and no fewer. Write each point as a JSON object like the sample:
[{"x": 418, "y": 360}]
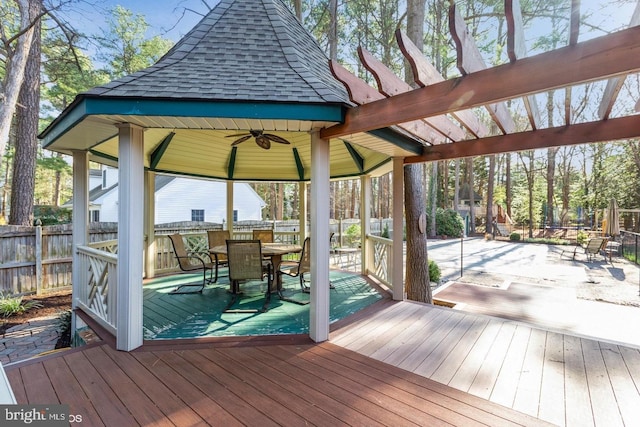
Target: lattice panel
[
  {"x": 98, "y": 285},
  {"x": 381, "y": 260}
]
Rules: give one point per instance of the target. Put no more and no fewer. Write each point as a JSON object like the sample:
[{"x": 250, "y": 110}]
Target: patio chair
[
  {"x": 299, "y": 267},
  {"x": 246, "y": 263},
  {"x": 218, "y": 238},
  {"x": 191, "y": 262},
  {"x": 595, "y": 246},
  {"x": 265, "y": 236}
]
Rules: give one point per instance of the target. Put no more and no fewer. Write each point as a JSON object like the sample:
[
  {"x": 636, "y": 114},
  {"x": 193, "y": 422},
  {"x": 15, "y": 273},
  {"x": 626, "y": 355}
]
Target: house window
[
  {"x": 197, "y": 214},
  {"x": 95, "y": 216},
  {"x": 235, "y": 215}
]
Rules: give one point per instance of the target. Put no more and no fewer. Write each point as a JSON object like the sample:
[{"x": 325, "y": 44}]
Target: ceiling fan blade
[
  {"x": 239, "y": 140},
  {"x": 276, "y": 138},
  {"x": 263, "y": 142}
]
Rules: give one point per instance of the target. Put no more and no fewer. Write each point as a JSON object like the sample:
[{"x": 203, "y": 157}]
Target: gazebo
[
  {"x": 227, "y": 78},
  {"x": 222, "y": 82}
]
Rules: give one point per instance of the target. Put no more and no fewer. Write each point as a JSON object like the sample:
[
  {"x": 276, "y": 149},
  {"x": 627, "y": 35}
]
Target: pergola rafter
[{"x": 613, "y": 55}]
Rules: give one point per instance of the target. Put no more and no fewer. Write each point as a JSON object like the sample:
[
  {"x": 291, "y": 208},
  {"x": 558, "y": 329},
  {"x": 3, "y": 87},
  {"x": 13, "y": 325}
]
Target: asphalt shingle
[{"x": 243, "y": 50}]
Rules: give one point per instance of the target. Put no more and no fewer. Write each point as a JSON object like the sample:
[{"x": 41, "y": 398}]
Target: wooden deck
[
  {"x": 559, "y": 378},
  {"x": 267, "y": 385}
]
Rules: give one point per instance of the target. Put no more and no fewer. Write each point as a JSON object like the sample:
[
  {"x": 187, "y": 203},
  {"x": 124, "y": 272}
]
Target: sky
[{"x": 174, "y": 18}]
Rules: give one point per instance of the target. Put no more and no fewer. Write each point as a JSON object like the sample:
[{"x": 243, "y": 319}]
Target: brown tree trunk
[
  {"x": 490, "y": 179},
  {"x": 28, "y": 112},
  {"x": 417, "y": 281},
  {"x": 507, "y": 184}
]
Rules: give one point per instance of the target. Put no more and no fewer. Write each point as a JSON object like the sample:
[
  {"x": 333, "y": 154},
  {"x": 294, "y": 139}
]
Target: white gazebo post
[
  {"x": 302, "y": 210},
  {"x": 397, "y": 259},
  {"x": 366, "y": 253},
  {"x": 230, "y": 208},
  {"x": 80, "y": 223},
  {"x": 319, "y": 311},
  {"x": 149, "y": 224},
  {"x": 130, "y": 236}
]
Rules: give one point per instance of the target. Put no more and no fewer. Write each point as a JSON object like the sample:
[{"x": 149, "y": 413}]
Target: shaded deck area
[
  {"x": 267, "y": 385},
  {"x": 168, "y": 316}
]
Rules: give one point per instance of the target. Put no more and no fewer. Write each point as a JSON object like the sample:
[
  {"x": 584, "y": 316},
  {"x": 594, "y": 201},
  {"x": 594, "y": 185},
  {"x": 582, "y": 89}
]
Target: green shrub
[
  {"x": 514, "y": 237},
  {"x": 352, "y": 235},
  {"x": 448, "y": 223},
  {"x": 11, "y": 306},
  {"x": 385, "y": 231},
  {"x": 434, "y": 272},
  {"x": 582, "y": 237}
]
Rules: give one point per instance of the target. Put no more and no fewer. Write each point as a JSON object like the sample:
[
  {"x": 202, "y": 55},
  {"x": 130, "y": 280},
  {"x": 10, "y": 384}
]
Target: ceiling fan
[{"x": 262, "y": 139}]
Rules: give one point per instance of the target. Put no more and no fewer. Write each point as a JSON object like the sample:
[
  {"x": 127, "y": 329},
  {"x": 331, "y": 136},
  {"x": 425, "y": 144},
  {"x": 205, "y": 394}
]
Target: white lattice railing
[
  {"x": 110, "y": 246},
  {"x": 98, "y": 287},
  {"x": 379, "y": 263}
]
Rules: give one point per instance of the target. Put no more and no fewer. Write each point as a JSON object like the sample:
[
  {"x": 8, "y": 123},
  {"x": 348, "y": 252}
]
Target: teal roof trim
[
  {"x": 157, "y": 154},
  {"x": 299, "y": 164},
  {"x": 357, "y": 158},
  {"x": 189, "y": 108},
  {"x": 396, "y": 138},
  {"x": 232, "y": 162}
]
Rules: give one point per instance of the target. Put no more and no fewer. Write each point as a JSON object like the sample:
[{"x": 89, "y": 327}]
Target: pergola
[{"x": 225, "y": 77}]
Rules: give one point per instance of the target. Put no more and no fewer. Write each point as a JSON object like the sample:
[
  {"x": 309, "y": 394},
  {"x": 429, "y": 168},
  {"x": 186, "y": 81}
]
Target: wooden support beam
[
  {"x": 516, "y": 48},
  {"x": 361, "y": 93},
  {"x": 583, "y": 133},
  {"x": 389, "y": 85},
  {"x": 607, "y": 56},
  {"x": 424, "y": 74},
  {"x": 614, "y": 85},
  {"x": 470, "y": 61},
  {"x": 574, "y": 32}
]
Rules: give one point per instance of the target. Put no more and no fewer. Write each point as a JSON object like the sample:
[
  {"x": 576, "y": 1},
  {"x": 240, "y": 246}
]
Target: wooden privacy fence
[{"x": 37, "y": 259}]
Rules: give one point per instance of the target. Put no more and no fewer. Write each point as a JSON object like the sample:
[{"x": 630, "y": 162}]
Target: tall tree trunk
[
  {"x": 12, "y": 81},
  {"x": 333, "y": 29},
  {"x": 456, "y": 194},
  {"x": 24, "y": 163},
  {"x": 433, "y": 197},
  {"x": 507, "y": 184},
  {"x": 490, "y": 215},
  {"x": 417, "y": 260},
  {"x": 297, "y": 6},
  {"x": 472, "y": 197}
]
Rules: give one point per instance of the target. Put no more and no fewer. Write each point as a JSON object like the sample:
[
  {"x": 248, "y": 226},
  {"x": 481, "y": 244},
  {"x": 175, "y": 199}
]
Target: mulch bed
[{"x": 52, "y": 304}]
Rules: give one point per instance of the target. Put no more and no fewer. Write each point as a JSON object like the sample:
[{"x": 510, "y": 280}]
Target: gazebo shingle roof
[{"x": 243, "y": 50}]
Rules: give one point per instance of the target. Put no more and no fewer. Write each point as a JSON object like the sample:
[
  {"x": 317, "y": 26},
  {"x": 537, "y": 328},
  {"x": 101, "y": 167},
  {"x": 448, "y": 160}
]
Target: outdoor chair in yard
[
  {"x": 592, "y": 247},
  {"x": 218, "y": 238},
  {"x": 245, "y": 264},
  {"x": 191, "y": 262}
]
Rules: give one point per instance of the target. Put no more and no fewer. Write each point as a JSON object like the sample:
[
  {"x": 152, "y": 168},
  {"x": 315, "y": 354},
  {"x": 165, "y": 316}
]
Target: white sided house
[{"x": 178, "y": 199}]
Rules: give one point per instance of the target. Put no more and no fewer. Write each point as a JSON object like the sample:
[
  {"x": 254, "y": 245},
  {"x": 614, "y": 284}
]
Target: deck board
[
  {"x": 504, "y": 389},
  {"x": 559, "y": 378},
  {"x": 552, "y": 388},
  {"x": 301, "y": 384}
]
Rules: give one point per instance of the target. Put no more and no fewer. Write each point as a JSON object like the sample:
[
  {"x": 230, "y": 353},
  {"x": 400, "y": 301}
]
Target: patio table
[{"x": 273, "y": 250}]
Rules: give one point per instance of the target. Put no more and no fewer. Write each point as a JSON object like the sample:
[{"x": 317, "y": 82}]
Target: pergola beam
[
  {"x": 425, "y": 74},
  {"x": 615, "y": 84},
  {"x": 361, "y": 93},
  {"x": 583, "y": 133},
  {"x": 516, "y": 49},
  {"x": 470, "y": 61},
  {"x": 608, "y": 56},
  {"x": 389, "y": 85}
]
